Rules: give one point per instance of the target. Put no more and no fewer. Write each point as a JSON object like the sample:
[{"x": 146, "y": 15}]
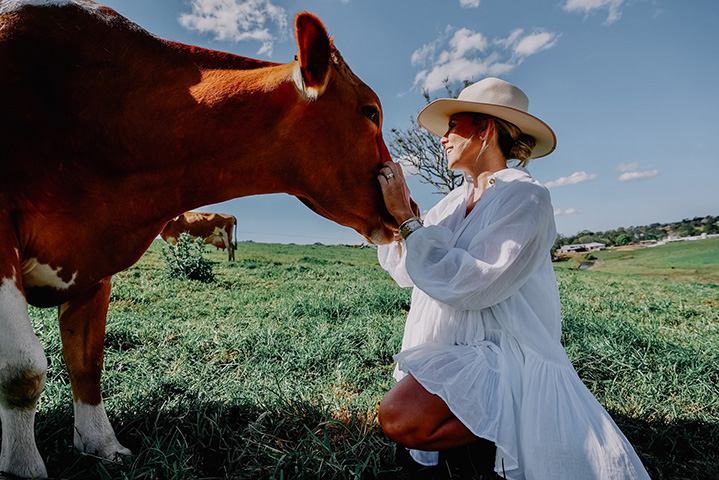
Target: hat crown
[
  {"x": 495, "y": 97},
  {"x": 495, "y": 91}
]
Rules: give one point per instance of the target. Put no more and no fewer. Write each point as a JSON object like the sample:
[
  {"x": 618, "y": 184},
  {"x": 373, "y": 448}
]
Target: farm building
[
  {"x": 582, "y": 247},
  {"x": 672, "y": 238}
]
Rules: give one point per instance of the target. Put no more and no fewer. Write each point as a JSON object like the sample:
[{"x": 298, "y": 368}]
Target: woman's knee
[
  {"x": 388, "y": 417},
  {"x": 399, "y": 424},
  {"x": 401, "y": 432}
]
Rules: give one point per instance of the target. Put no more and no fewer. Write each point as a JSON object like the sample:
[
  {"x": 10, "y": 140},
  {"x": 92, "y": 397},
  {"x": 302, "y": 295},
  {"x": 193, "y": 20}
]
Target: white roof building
[{"x": 582, "y": 247}]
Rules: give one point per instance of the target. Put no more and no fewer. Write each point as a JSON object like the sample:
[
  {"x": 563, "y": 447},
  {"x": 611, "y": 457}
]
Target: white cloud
[
  {"x": 576, "y": 177},
  {"x": 238, "y": 20},
  {"x": 422, "y": 54},
  {"x": 512, "y": 39},
  {"x": 631, "y": 176},
  {"x": 587, "y": 6},
  {"x": 469, "y": 3},
  {"x": 534, "y": 43},
  {"x": 626, "y": 167},
  {"x": 463, "y": 54},
  {"x": 456, "y": 70},
  {"x": 568, "y": 211},
  {"x": 465, "y": 41}
]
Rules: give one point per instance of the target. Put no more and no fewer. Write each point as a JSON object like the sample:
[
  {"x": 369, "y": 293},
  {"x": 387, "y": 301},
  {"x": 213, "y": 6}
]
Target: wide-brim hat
[{"x": 495, "y": 97}]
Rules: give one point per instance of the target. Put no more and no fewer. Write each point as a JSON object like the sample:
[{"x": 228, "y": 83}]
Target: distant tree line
[{"x": 631, "y": 235}]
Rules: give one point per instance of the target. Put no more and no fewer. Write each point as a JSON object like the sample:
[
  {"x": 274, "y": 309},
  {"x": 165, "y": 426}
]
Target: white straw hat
[{"x": 495, "y": 97}]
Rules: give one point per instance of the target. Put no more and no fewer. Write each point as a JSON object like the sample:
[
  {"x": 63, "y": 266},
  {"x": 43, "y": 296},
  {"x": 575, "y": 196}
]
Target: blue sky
[{"x": 629, "y": 86}]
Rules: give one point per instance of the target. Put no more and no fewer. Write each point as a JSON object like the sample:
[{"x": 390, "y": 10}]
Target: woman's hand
[{"x": 395, "y": 192}]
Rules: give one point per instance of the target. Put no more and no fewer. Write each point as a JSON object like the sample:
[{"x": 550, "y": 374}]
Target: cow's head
[{"x": 341, "y": 149}]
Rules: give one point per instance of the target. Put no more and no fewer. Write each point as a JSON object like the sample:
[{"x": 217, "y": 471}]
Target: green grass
[
  {"x": 275, "y": 370},
  {"x": 696, "y": 261}
]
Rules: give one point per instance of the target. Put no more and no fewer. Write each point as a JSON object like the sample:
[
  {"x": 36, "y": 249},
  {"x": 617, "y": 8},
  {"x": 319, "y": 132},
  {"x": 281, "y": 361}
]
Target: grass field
[
  {"x": 695, "y": 261},
  {"x": 274, "y": 371}
]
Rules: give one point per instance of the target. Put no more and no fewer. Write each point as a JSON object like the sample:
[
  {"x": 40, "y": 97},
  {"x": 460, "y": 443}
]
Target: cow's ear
[{"x": 314, "y": 54}]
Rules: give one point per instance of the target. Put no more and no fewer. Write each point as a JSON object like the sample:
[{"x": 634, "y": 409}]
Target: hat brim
[{"x": 435, "y": 118}]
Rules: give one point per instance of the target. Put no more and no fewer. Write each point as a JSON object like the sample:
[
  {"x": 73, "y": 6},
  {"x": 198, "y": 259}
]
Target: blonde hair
[{"x": 512, "y": 142}]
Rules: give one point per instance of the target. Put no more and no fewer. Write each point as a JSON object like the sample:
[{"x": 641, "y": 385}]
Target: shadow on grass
[
  {"x": 176, "y": 436},
  {"x": 681, "y": 450},
  {"x": 677, "y": 450}
]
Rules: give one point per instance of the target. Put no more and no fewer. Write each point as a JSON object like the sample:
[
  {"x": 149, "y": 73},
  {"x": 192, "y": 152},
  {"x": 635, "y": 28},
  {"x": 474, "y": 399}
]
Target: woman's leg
[{"x": 415, "y": 418}]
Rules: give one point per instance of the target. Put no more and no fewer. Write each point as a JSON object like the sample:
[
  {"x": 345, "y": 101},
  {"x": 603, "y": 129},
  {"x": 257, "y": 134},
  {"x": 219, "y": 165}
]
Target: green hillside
[{"x": 696, "y": 261}]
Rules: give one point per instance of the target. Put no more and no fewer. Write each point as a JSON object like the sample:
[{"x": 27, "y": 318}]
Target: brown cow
[
  {"x": 213, "y": 228},
  {"x": 106, "y": 133}
]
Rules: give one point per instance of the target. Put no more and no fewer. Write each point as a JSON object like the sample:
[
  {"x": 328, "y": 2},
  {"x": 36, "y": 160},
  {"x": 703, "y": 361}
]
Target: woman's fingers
[
  {"x": 391, "y": 176},
  {"x": 397, "y": 169},
  {"x": 394, "y": 171},
  {"x": 395, "y": 192},
  {"x": 389, "y": 171}
]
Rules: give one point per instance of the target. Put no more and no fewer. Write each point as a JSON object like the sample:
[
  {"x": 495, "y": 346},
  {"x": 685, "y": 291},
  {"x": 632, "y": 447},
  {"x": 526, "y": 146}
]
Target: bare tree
[{"x": 422, "y": 154}]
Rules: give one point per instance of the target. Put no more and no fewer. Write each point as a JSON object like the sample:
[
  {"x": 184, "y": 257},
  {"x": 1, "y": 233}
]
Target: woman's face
[{"x": 461, "y": 142}]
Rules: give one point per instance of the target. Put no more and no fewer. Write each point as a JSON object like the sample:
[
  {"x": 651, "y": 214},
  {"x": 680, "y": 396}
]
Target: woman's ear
[
  {"x": 486, "y": 129},
  {"x": 314, "y": 54}
]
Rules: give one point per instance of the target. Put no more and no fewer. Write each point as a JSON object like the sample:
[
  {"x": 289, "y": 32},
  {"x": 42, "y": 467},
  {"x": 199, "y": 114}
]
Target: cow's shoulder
[{"x": 93, "y": 8}]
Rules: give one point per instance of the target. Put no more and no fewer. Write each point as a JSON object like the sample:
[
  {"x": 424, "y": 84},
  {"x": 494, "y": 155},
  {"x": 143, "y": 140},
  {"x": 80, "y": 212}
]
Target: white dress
[{"x": 483, "y": 333}]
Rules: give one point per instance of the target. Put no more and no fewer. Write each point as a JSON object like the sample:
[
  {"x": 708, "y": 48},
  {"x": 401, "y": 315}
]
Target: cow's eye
[{"x": 371, "y": 112}]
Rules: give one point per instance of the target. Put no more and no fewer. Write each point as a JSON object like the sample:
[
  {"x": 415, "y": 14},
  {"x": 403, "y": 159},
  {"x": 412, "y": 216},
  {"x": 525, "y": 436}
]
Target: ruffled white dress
[{"x": 483, "y": 333}]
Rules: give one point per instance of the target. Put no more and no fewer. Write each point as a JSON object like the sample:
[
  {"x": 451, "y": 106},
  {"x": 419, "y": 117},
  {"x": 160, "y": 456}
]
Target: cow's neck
[{"x": 236, "y": 140}]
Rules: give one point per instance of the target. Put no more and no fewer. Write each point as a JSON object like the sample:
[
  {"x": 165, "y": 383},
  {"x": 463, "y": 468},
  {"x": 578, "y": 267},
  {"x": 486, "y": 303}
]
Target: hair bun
[{"x": 522, "y": 148}]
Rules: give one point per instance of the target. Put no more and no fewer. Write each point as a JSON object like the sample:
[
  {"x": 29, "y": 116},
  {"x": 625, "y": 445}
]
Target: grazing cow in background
[
  {"x": 214, "y": 228},
  {"x": 106, "y": 133}
]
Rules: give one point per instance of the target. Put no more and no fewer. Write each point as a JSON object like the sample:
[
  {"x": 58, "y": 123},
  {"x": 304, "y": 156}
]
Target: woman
[{"x": 481, "y": 354}]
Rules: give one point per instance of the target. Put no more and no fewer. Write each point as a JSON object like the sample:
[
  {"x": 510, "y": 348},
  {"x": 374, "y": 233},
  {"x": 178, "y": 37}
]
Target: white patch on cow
[
  {"x": 308, "y": 93},
  {"x": 12, "y": 5},
  {"x": 222, "y": 233},
  {"x": 36, "y": 274},
  {"x": 19, "y": 454},
  {"x": 20, "y": 351},
  {"x": 19, "y": 346},
  {"x": 94, "y": 434},
  {"x": 17, "y": 332}
]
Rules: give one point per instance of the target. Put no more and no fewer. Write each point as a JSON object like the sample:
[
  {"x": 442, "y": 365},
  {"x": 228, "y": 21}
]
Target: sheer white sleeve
[
  {"x": 500, "y": 258},
  {"x": 392, "y": 257}
]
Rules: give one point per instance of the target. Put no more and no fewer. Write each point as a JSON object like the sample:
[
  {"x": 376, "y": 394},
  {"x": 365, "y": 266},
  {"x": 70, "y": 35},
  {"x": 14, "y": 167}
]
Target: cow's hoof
[
  {"x": 109, "y": 451},
  {"x": 25, "y": 469},
  {"x": 94, "y": 434}
]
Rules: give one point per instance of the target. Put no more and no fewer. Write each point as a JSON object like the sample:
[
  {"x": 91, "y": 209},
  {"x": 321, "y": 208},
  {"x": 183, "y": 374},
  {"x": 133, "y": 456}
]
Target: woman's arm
[
  {"x": 392, "y": 257},
  {"x": 500, "y": 258}
]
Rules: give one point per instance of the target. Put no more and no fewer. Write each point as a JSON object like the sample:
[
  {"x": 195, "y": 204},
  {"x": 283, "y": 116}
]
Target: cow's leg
[
  {"x": 225, "y": 236},
  {"x": 23, "y": 367},
  {"x": 82, "y": 327},
  {"x": 230, "y": 245}
]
